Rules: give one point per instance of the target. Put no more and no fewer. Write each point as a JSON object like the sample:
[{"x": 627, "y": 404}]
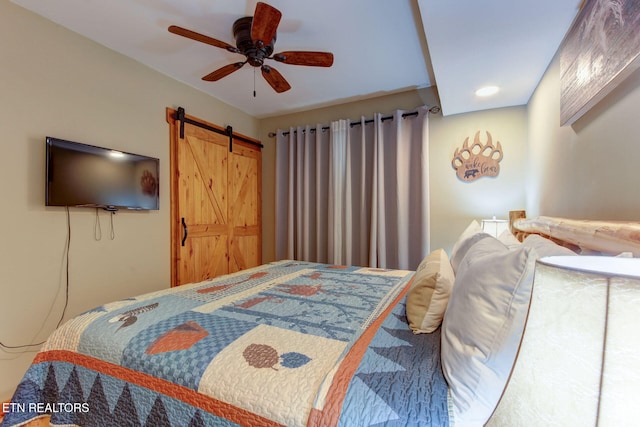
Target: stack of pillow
[{"x": 480, "y": 295}]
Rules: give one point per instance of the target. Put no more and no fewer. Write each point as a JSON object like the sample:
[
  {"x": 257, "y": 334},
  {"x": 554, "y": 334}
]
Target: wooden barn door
[
  {"x": 215, "y": 200},
  {"x": 244, "y": 208}
]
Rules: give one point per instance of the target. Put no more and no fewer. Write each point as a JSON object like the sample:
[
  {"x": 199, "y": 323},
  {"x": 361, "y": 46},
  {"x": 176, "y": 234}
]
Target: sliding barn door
[
  {"x": 244, "y": 209},
  {"x": 215, "y": 194}
]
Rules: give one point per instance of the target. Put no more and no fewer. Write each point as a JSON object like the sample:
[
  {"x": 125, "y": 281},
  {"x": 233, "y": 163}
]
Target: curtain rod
[{"x": 433, "y": 110}]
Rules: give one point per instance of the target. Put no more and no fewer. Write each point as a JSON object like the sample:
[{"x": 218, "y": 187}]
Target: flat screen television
[{"x": 84, "y": 175}]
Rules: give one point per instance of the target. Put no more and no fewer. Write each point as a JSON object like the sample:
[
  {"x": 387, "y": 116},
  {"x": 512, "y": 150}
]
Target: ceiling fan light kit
[{"x": 255, "y": 38}]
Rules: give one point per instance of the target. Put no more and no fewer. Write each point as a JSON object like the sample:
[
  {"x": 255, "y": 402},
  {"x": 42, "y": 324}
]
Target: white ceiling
[
  {"x": 505, "y": 43},
  {"x": 380, "y": 46}
]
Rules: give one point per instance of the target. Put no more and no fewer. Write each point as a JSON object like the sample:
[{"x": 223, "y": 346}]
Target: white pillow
[
  {"x": 483, "y": 326},
  {"x": 429, "y": 293},
  {"x": 509, "y": 239},
  {"x": 472, "y": 234},
  {"x": 545, "y": 247},
  {"x": 484, "y": 322}
]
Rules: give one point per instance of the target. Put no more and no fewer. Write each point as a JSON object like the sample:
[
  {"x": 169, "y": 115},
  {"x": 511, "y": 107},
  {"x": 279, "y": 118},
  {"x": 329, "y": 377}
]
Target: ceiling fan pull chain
[{"x": 254, "y": 82}]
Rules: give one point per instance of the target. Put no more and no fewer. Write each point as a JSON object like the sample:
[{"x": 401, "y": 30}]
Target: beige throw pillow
[{"x": 429, "y": 293}]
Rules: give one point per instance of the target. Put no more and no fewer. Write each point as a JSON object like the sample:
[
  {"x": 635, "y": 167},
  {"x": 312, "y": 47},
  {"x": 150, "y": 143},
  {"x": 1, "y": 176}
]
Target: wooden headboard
[{"x": 583, "y": 236}]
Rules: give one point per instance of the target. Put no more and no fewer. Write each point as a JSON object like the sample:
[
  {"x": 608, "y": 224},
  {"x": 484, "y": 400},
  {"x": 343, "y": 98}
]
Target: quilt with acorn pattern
[{"x": 284, "y": 344}]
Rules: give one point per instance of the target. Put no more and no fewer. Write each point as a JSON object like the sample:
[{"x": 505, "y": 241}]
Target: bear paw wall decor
[{"x": 478, "y": 160}]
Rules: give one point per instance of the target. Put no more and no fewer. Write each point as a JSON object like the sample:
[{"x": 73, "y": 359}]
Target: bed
[
  {"x": 282, "y": 344},
  {"x": 297, "y": 344}
]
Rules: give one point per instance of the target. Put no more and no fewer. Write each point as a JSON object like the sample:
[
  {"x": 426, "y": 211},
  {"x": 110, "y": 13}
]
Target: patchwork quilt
[{"x": 285, "y": 344}]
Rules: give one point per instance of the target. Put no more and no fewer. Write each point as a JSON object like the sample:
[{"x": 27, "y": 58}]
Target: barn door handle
[{"x": 185, "y": 231}]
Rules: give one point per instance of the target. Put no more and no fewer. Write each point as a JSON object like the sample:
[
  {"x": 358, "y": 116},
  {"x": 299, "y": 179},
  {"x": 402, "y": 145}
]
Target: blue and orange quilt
[{"x": 285, "y": 344}]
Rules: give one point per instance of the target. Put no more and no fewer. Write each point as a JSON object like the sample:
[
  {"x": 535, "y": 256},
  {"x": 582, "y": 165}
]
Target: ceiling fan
[{"x": 255, "y": 37}]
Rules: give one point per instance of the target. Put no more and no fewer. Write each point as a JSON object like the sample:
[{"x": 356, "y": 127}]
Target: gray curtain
[{"x": 355, "y": 193}]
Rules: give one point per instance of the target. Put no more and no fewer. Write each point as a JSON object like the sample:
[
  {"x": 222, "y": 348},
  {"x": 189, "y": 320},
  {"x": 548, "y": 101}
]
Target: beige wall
[
  {"x": 53, "y": 82},
  {"x": 453, "y": 203},
  {"x": 588, "y": 170}
]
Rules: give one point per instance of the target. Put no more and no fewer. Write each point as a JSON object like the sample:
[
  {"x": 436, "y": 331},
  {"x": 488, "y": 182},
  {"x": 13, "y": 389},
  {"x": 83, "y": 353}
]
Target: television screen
[{"x": 88, "y": 176}]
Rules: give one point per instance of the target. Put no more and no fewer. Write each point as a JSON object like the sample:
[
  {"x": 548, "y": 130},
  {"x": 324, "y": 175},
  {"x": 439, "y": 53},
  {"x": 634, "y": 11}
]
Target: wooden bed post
[{"x": 513, "y": 216}]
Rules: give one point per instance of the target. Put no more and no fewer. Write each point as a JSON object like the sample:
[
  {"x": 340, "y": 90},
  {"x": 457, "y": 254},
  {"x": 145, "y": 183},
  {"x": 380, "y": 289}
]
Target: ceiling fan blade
[
  {"x": 223, "y": 72},
  {"x": 313, "y": 59},
  {"x": 201, "y": 38},
  {"x": 275, "y": 79},
  {"x": 265, "y": 23}
]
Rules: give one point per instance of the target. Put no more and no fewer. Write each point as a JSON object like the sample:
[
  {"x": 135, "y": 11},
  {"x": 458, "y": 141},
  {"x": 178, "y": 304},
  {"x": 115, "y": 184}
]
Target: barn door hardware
[{"x": 181, "y": 116}]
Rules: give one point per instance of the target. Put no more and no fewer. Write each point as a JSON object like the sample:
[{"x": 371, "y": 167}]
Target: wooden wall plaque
[{"x": 477, "y": 160}]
